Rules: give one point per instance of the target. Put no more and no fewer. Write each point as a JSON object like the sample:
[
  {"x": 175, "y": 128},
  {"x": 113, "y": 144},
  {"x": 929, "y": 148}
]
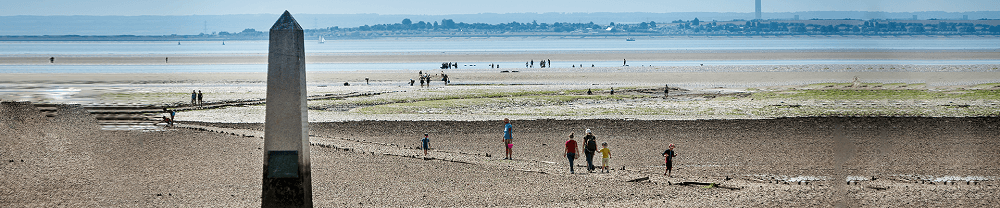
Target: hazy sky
[{"x": 431, "y": 7}]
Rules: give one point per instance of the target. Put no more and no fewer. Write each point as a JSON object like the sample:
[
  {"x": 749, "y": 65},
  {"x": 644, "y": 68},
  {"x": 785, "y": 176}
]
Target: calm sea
[{"x": 104, "y": 48}]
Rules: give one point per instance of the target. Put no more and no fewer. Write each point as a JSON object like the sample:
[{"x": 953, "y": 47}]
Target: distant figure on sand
[
  {"x": 571, "y": 151},
  {"x": 52, "y": 60},
  {"x": 194, "y": 97},
  {"x": 591, "y": 147},
  {"x": 172, "y": 114},
  {"x": 168, "y": 121},
  {"x": 612, "y": 91},
  {"x": 166, "y": 59},
  {"x": 366, "y": 81},
  {"x": 624, "y": 62},
  {"x": 411, "y": 82},
  {"x": 589, "y": 92},
  {"x": 605, "y": 157},
  {"x": 669, "y": 159},
  {"x": 421, "y": 81},
  {"x": 666, "y": 91},
  {"x": 425, "y": 143},
  {"x": 199, "y": 97},
  {"x": 508, "y": 138}
]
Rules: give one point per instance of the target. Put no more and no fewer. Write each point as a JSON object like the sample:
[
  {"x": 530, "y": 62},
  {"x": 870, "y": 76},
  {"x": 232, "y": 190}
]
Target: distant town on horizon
[{"x": 583, "y": 25}]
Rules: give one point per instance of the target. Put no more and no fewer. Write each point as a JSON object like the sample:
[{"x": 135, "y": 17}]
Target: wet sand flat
[
  {"x": 67, "y": 161},
  {"x": 722, "y": 76},
  {"x": 557, "y": 56}
]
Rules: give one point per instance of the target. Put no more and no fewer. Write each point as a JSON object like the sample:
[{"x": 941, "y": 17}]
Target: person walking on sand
[
  {"x": 666, "y": 91},
  {"x": 605, "y": 157},
  {"x": 366, "y": 81},
  {"x": 52, "y": 60},
  {"x": 194, "y": 97},
  {"x": 172, "y": 114},
  {"x": 199, "y": 97},
  {"x": 590, "y": 149},
  {"x": 571, "y": 152},
  {"x": 669, "y": 159},
  {"x": 508, "y": 131},
  {"x": 425, "y": 143}
]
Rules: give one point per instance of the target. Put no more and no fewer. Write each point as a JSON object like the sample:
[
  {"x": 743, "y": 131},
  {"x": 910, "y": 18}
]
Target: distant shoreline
[{"x": 637, "y": 36}]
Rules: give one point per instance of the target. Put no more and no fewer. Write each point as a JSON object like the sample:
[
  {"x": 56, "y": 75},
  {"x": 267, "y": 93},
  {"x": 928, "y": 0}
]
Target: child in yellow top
[{"x": 606, "y": 153}]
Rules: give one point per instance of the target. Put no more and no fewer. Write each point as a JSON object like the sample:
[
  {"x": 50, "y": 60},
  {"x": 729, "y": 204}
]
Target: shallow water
[
  {"x": 430, "y": 67},
  {"x": 492, "y": 45}
]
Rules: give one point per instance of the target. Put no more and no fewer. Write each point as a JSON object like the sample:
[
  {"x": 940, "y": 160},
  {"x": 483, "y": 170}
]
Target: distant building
[{"x": 758, "y": 9}]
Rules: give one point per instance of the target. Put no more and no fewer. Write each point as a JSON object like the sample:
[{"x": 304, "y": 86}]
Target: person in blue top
[
  {"x": 508, "y": 130},
  {"x": 425, "y": 143}
]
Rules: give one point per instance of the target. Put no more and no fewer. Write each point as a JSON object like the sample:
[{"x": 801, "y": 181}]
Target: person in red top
[{"x": 571, "y": 150}]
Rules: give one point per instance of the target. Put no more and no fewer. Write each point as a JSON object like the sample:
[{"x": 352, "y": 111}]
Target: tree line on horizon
[
  {"x": 738, "y": 27},
  {"x": 694, "y": 27},
  {"x": 514, "y": 26}
]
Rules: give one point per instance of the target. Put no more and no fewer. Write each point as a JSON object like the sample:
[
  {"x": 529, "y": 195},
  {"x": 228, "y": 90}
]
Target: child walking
[
  {"x": 425, "y": 143},
  {"x": 668, "y": 159},
  {"x": 606, "y": 153}
]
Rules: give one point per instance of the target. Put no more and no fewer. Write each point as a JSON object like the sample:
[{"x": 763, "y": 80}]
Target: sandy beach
[
  {"x": 802, "y": 162},
  {"x": 857, "y": 135}
]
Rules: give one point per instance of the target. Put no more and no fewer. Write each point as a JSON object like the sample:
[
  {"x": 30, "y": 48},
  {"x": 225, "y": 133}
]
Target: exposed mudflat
[
  {"x": 66, "y": 160},
  {"x": 912, "y": 160}
]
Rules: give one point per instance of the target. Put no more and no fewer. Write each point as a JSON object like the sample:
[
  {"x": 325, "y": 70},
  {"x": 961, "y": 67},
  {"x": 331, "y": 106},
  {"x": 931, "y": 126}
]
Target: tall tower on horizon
[{"x": 758, "y": 9}]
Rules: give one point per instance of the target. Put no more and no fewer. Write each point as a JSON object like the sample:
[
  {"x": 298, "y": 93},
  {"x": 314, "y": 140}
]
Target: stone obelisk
[{"x": 287, "y": 181}]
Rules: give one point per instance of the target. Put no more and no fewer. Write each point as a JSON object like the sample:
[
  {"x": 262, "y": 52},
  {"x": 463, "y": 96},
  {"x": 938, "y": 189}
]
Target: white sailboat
[{"x": 321, "y": 39}]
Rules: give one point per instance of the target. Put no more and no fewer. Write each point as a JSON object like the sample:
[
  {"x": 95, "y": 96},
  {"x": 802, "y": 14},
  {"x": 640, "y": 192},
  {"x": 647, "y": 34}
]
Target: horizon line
[{"x": 751, "y": 12}]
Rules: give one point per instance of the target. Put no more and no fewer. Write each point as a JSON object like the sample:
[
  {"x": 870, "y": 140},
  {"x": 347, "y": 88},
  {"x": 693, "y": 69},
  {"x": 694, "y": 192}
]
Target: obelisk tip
[{"x": 286, "y": 22}]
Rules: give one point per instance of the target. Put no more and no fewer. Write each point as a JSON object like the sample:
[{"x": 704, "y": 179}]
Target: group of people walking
[
  {"x": 542, "y": 64},
  {"x": 196, "y": 97},
  {"x": 572, "y": 151},
  {"x": 589, "y": 150},
  {"x": 425, "y": 79}
]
